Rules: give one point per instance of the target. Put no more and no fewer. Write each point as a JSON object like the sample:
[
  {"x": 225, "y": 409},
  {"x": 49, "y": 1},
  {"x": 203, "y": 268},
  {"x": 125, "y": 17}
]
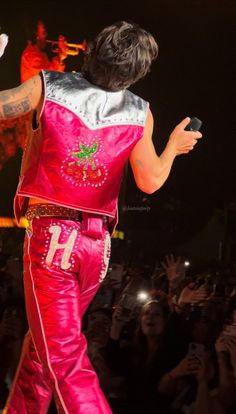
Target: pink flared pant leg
[
  {"x": 64, "y": 265},
  {"x": 30, "y": 389}
]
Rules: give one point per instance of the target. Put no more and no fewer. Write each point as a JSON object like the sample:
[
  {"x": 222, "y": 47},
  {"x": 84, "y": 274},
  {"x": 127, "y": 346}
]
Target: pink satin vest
[{"x": 77, "y": 155}]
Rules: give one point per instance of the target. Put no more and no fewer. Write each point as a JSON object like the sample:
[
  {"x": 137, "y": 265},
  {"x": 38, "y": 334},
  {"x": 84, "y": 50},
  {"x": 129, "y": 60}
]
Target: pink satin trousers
[{"x": 64, "y": 263}]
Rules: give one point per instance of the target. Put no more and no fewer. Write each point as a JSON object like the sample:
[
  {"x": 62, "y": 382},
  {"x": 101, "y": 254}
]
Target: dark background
[{"x": 194, "y": 75}]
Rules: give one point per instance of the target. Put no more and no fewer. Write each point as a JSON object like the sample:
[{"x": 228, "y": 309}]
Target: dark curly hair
[{"x": 120, "y": 55}]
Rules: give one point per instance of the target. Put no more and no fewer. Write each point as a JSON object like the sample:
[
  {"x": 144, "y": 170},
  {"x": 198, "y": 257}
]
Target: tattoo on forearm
[
  {"x": 4, "y": 96},
  {"x": 16, "y": 108}
]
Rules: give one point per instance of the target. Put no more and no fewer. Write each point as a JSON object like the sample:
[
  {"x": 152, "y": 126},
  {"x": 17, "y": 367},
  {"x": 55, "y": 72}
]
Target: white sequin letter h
[{"x": 54, "y": 246}]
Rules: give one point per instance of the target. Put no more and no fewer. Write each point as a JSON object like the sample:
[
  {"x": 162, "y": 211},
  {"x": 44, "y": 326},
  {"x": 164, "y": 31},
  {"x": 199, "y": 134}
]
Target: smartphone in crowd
[{"x": 128, "y": 304}]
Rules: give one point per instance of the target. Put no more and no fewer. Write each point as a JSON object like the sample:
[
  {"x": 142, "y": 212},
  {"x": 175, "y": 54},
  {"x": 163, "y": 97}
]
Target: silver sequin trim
[{"x": 94, "y": 106}]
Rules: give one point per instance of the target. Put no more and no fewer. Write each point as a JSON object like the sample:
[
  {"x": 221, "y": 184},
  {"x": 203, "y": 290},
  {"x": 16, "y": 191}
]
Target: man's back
[{"x": 77, "y": 155}]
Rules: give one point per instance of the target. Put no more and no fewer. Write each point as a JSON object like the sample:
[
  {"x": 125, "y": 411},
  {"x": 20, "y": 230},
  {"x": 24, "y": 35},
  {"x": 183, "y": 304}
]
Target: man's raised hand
[{"x": 3, "y": 43}]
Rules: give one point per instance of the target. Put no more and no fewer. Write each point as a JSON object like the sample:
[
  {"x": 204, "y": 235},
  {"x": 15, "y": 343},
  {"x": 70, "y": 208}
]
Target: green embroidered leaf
[
  {"x": 86, "y": 155},
  {"x": 93, "y": 148},
  {"x": 82, "y": 146},
  {"x": 78, "y": 154}
]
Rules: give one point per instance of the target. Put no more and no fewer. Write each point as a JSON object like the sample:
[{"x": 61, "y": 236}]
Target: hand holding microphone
[
  {"x": 194, "y": 124},
  {"x": 186, "y": 135}
]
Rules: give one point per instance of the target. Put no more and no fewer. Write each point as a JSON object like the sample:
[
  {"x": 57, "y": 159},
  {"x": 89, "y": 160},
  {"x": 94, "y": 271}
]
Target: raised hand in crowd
[
  {"x": 118, "y": 323},
  {"x": 203, "y": 401},
  {"x": 202, "y": 373},
  {"x": 189, "y": 365},
  {"x": 224, "y": 346},
  {"x": 3, "y": 43},
  {"x": 174, "y": 269},
  {"x": 190, "y": 295}
]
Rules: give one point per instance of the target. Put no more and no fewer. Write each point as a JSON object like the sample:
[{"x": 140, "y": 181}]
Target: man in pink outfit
[{"x": 84, "y": 129}]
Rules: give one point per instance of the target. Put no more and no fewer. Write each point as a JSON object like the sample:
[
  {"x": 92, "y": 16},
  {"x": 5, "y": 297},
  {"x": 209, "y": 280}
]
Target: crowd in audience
[{"x": 162, "y": 340}]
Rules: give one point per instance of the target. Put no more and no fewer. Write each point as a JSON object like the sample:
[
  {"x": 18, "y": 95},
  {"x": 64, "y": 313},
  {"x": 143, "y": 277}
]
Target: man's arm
[
  {"x": 150, "y": 170},
  {"x": 22, "y": 99}
]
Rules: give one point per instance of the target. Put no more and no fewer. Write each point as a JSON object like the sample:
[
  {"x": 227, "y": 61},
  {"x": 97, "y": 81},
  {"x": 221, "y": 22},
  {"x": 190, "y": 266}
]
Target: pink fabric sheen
[
  {"x": 50, "y": 171},
  {"x": 54, "y": 357}
]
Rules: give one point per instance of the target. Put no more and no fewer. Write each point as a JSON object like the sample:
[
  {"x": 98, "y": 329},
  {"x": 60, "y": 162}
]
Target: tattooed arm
[
  {"x": 21, "y": 100},
  {"x": 150, "y": 170}
]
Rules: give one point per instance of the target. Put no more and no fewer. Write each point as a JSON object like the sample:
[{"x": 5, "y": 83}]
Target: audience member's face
[{"x": 152, "y": 320}]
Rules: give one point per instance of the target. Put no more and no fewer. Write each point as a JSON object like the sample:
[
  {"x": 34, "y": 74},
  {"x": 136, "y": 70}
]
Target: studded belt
[{"x": 52, "y": 210}]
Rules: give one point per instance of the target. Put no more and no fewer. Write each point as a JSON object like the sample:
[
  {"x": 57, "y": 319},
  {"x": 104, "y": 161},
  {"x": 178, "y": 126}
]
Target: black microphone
[{"x": 194, "y": 124}]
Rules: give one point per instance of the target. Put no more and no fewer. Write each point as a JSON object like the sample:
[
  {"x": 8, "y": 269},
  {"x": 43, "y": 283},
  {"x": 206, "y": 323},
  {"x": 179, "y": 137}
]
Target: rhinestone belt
[{"x": 52, "y": 210}]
